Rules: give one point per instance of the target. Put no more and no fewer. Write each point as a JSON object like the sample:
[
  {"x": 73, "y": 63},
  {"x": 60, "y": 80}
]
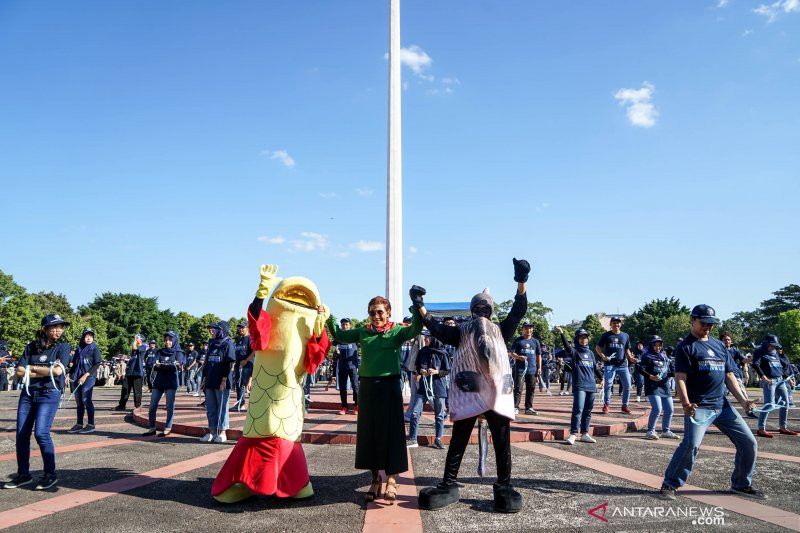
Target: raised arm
[{"x": 509, "y": 324}]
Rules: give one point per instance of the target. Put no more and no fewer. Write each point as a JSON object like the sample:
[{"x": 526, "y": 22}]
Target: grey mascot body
[{"x": 482, "y": 387}]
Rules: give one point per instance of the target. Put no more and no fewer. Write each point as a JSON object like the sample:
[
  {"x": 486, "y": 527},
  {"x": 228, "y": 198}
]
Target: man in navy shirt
[
  {"x": 703, "y": 369},
  {"x": 614, "y": 349},
  {"x": 346, "y": 368},
  {"x": 526, "y": 352},
  {"x": 739, "y": 361},
  {"x": 243, "y": 371}
]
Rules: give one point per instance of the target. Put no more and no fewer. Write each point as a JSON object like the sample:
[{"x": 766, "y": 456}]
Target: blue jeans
[
  {"x": 730, "y": 422},
  {"x": 416, "y": 411},
  {"x": 413, "y": 386},
  {"x": 345, "y": 374},
  {"x": 83, "y": 399},
  {"x": 155, "y": 397},
  {"x": 582, "y": 405},
  {"x": 624, "y": 379},
  {"x": 191, "y": 380},
  {"x": 545, "y": 384},
  {"x": 242, "y": 376},
  {"x": 774, "y": 393},
  {"x": 638, "y": 380},
  {"x": 657, "y": 403},
  {"x": 35, "y": 414},
  {"x": 217, "y": 410}
]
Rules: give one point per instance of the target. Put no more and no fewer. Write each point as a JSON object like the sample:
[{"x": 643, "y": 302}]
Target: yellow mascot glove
[
  {"x": 269, "y": 279},
  {"x": 322, "y": 315}
]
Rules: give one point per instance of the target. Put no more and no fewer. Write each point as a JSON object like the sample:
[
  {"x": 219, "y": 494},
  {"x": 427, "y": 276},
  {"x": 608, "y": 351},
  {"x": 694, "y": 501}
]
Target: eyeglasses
[
  {"x": 482, "y": 311},
  {"x": 376, "y": 312}
]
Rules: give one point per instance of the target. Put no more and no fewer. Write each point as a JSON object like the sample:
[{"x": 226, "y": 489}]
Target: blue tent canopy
[{"x": 448, "y": 308}]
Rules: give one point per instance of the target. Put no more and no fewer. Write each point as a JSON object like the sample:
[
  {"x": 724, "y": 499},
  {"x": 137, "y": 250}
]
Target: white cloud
[
  {"x": 747, "y": 32},
  {"x": 367, "y": 246},
  {"x": 272, "y": 240},
  {"x": 416, "y": 59},
  {"x": 281, "y": 155},
  {"x": 364, "y": 191},
  {"x": 723, "y": 3},
  {"x": 311, "y": 241},
  {"x": 641, "y": 111},
  {"x": 451, "y": 81},
  {"x": 773, "y": 10},
  {"x": 412, "y": 249},
  {"x": 328, "y": 194}
]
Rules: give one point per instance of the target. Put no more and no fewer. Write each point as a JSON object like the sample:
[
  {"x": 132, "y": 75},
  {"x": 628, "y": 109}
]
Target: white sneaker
[
  {"x": 669, "y": 435},
  {"x": 219, "y": 439},
  {"x": 208, "y": 437},
  {"x": 638, "y": 398},
  {"x": 516, "y": 411},
  {"x": 651, "y": 435},
  {"x": 571, "y": 438},
  {"x": 586, "y": 438}
]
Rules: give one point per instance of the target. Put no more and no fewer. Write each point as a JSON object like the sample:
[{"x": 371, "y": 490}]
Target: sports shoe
[
  {"x": 587, "y": 438},
  {"x": 343, "y": 411},
  {"x": 531, "y": 412},
  {"x": 666, "y": 493},
  {"x": 625, "y": 409},
  {"x": 606, "y": 408},
  {"x": 149, "y": 433},
  {"x": 46, "y": 481},
  {"x": 787, "y": 431},
  {"x": 651, "y": 435},
  {"x": 750, "y": 492},
  {"x": 764, "y": 433},
  {"x": 437, "y": 443},
  {"x": 516, "y": 411},
  {"x": 208, "y": 437},
  {"x": 751, "y": 414},
  {"x": 17, "y": 481},
  {"x": 75, "y": 429},
  {"x": 638, "y": 398},
  {"x": 88, "y": 428},
  {"x": 411, "y": 443},
  {"x": 119, "y": 408},
  {"x": 220, "y": 438},
  {"x": 571, "y": 439},
  {"x": 669, "y": 435}
]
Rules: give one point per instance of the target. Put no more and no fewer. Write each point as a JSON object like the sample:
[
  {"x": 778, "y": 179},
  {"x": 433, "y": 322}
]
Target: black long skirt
[{"x": 381, "y": 429}]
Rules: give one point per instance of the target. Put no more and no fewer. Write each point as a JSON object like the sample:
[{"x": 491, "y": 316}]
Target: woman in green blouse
[{"x": 380, "y": 429}]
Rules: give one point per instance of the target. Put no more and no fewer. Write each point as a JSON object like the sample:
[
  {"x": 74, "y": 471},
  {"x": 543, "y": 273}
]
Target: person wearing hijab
[
  {"x": 41, "y": 369},
  {"x": 655, "y": 366},
  {"x": 165, "y": 381},
  {"x": 83, "y": 376},
  {"x": 218, "y": 380}
]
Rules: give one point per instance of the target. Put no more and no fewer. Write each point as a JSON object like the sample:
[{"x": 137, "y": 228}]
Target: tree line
[{"x": 116, "y": 317}]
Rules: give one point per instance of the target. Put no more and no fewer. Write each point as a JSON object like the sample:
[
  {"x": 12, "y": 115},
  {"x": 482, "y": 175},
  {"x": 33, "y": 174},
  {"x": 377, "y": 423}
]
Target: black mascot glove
[
  {"x": 521, "y": 270},
  {"x": 416, "y": 292}
]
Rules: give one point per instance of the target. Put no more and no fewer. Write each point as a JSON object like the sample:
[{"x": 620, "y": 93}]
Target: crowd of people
[{"x": 472, "y": 368}]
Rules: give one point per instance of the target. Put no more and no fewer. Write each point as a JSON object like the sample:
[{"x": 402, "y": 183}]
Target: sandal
[
  {"x": 165, "y": 433},
  {"x": 391, "y": 491},
  {"x": 374, "y": 490}
]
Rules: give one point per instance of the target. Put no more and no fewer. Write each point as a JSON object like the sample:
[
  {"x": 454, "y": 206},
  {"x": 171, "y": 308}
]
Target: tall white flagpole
[{"x": 394, "y": 191}]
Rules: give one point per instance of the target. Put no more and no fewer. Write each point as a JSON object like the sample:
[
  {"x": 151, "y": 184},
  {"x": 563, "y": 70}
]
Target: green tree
[
  {"x": 9, "y": 288},
  {"x": 185, "y": 323},
  {"x": 674, "y": 327},
  {"x": 650, "y": 319},
  {"x": 20, "y": 319},
  {"x": 593, "y": 326},
  {"x": 751, "y": 324},
  {"x": 198, "y": 332},
  {"x": 787, "y": 328},
  {"x": 52, "y": 303},
  {"x": 785, "y": 299},
  {"x": 535, "y": 314}
]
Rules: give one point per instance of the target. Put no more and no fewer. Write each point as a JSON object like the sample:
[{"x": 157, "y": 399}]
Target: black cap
[
  {"x": 242, "y": 324},
  {"x": 214, "y": 325},
  {"x": 527, "y": 324},
  {"x": 705, "y": 313},
  {"x": 345, "y": 321},
  {"x": 87, "y": 331},
  {"x": 772, "y": 340},
  {"x": 53, "y": 320},
  {"x": 190, "y": 344},
  {"x": 152, "y": 341},
  {"x": 616, "y": 318},
  {"x": 655, "y": 338}
]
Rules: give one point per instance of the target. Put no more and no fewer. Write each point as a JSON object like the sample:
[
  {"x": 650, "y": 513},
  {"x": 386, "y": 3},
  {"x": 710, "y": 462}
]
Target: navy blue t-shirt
[
  {"x": 705, "y": 364},
  {"x": 583, "y": 369},
  {"x": 82, "y": 363},
  {"x": 530, "y": 348},
  {"x": 428, "y": 358},
  {"x": 166, "y": 370},
  {"x": 658, "y": 365},
  {"x": 738, "y": 358},
  {"x": 243, "y": 351},
  {"x": 769, "y": 362},
  {"x": 218, "y": 364},
  {"x": 136, "y": 363},
  {"x": 32, "y": 357},
  {"x": 348, "y": 355},
  {"x": 190, "y": 357},
  {"x": 614, "y": 346},
  {"x": 149, "y": 356}
]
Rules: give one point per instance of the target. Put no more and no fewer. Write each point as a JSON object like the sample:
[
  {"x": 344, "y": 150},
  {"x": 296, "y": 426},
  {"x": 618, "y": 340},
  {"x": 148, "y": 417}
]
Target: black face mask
[{"x": 482, "y": 311}]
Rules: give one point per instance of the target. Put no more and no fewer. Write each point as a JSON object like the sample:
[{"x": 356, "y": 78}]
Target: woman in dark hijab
[
  {"x": 165, "y": 381},
  {"x": 83, "y": 375}
]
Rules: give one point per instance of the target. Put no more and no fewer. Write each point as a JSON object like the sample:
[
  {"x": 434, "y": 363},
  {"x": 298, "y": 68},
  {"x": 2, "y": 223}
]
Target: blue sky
[{"x": 630, "y": 150}]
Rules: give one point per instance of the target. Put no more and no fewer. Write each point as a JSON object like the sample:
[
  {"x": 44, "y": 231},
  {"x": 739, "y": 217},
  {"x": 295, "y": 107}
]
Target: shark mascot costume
[
  {"x": 290, "y": 340},
  {"x": 482, "y": 386}
]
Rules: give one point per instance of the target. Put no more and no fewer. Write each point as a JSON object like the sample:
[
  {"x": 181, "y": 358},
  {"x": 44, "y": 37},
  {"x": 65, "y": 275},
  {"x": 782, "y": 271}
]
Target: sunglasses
[
  {"x": 482, "y": 311},
  {"x": 376, "y": 312}
]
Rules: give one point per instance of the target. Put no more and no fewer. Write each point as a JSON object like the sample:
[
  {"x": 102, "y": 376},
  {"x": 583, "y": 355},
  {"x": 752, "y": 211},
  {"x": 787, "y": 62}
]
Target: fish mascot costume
[{"x": 290, "y": 341}]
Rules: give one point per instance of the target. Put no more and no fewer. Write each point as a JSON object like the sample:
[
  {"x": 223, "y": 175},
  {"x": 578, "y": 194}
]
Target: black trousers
[
  {"x": 500, "y": 427},
  {"x": 344, "y": 375},
  {"x": 128, "y": 383},
  {"x": 530, "y": 387}
]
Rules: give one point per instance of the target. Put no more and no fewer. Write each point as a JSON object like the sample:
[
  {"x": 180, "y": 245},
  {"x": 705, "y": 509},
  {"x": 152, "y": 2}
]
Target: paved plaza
[{"x": 116, "y": 480}]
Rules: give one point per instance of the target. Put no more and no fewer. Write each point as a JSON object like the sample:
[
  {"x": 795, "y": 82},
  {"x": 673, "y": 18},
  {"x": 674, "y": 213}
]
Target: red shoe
[
  {"x": 342, "y": 411},
  {"x": 785, "y": 431},
  {"x": 626, "y": 409},
  {"x": 355, "y": 410},
  {"x": 606, "y": 407},
  {"x": 764, "y": 433}
]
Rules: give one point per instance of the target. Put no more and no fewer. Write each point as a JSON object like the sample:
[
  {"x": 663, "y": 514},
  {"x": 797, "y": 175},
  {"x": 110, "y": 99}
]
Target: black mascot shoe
[
  {"x": 441, "y": 495},
  {"x": 506, "y": 499}
]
